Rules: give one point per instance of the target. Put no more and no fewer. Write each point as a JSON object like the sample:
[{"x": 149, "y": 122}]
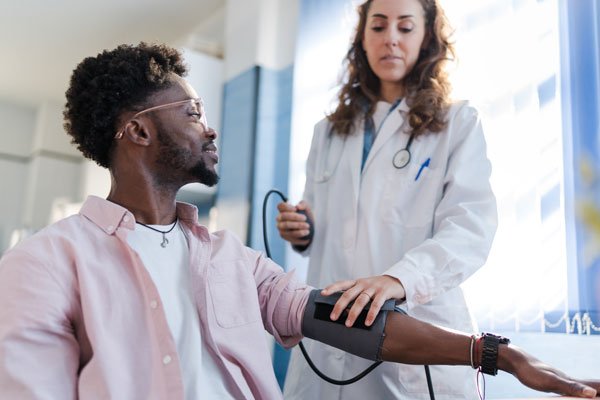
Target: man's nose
[{"x": 210, "y": 133}]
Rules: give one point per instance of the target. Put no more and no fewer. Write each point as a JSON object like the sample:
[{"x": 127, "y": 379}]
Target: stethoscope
[
  {"x": 400, "y": 160},
  {"x": 402, "y": 157},
  {"x": 326, "y": 171}
]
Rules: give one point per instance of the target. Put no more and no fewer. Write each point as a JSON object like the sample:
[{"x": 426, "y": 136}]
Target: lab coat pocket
[
  {"x": 411, "y": 195},
  {"x": 233, "y": 292}
]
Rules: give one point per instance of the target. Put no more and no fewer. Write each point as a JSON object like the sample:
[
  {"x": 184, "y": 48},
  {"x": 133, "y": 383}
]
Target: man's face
[
  {"x": 173, "y": 157},
  {"x": 186, "y": 151}
]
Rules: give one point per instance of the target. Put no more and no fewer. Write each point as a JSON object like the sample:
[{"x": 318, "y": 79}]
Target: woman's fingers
[
  {"x": 338, "y": 287},
  {"x": 284, "y": 206},
  {"x": 375, "y": 290},
  {"x": 291, "y": 225},
  {"x": 344, "y": 301}
]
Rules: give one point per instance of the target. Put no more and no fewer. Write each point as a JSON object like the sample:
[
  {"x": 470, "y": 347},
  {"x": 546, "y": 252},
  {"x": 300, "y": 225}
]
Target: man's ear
[{"x": 137, "y": 131}]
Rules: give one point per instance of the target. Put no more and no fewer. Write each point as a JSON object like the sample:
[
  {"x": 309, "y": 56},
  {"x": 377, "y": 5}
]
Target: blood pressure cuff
[{"x": 361, "y": 340}]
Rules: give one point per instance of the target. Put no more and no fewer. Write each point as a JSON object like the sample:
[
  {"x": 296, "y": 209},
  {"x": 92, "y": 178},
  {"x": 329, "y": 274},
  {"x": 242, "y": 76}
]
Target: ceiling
[{"x": 41, "y": 41}]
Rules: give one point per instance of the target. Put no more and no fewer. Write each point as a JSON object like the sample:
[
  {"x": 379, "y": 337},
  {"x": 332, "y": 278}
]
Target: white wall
[
  {"x": 38, "y": 165},
  {"x": 16, "y": 129},
  {"x": 17, "y": 124},
  {"x": 12, "y": 180},
  {"x": 259, "y": 32},
  {"x": 54, "y": 168}
]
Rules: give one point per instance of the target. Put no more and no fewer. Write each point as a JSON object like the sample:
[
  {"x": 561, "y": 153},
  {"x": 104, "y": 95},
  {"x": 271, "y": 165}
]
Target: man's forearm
[
  {"x": 407, "y": 340},
  {"x": 410, "y": 341}
]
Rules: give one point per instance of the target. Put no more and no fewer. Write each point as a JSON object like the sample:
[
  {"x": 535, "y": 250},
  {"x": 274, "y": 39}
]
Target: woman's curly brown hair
[
  {"x": 427, "y": 86},
  {"x": 104, "y": 86}
]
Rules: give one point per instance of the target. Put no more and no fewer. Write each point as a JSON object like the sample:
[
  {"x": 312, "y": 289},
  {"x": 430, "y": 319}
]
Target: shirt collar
[
  {"x": 109, "y": 216},
  {"x": 402, "y": 107}
]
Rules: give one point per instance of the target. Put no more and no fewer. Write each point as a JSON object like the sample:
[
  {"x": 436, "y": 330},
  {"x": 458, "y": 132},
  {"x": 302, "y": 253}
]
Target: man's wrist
[
  {"x": 489, "y": 352},
  {"x": 508, "y": 358}
]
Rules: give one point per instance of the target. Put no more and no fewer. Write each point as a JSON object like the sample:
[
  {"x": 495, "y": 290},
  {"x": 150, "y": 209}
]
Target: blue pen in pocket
[{"x": 423, "y": 166}]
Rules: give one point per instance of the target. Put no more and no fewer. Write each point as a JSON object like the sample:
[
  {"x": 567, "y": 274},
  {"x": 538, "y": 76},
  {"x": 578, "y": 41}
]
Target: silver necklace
[{"x": 165, "y": 241}]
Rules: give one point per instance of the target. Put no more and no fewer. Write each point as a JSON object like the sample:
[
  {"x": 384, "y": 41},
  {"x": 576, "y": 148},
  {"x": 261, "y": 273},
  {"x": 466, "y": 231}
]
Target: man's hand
[
  {"x": 539, "y": 376},
  {"x": 377, "y": 289}
]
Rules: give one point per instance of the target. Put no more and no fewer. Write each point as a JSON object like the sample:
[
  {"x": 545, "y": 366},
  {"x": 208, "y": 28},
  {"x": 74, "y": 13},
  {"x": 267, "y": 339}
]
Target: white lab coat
[{"x": 432, "y": 233}]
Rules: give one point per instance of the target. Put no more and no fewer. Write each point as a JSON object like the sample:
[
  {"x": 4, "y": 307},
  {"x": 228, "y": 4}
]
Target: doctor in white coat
[{"x": 397, "y": 185}]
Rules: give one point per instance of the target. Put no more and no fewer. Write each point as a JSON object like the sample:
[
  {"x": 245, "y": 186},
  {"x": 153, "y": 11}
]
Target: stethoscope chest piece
[{"x": 401, "y": 158}]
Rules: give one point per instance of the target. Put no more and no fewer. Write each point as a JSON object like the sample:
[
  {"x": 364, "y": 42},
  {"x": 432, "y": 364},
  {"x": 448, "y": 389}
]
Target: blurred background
[{"x": 267, "y": 71}]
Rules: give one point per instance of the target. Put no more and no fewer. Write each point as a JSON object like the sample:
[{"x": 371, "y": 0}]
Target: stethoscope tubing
[{"x": 400, "y": 159}]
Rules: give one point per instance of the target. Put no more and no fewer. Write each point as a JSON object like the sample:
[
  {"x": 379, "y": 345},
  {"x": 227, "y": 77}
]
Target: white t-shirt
[{"x": 169, "y": 268}]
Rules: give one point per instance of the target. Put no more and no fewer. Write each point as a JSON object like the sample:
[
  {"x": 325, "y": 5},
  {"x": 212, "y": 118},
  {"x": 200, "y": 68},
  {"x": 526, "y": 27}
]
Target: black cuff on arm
[{"x": 361, "y": 340}]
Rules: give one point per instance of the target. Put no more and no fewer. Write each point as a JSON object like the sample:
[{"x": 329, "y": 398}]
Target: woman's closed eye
[{"x": 406, "y": 27}]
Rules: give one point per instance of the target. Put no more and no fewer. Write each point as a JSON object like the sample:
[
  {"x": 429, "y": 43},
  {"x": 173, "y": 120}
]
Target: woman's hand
[
  {"x": 377, "y": 289},
  {"x": 292, "y": 225}
]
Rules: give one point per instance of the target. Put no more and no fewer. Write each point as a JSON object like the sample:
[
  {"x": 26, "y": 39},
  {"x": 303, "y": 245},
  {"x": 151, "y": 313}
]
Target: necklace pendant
[{"x": 165, "y": 241}]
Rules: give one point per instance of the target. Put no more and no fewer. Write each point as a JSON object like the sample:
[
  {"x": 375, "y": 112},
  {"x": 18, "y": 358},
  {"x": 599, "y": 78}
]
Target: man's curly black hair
[{"x": 114, "y": 81}]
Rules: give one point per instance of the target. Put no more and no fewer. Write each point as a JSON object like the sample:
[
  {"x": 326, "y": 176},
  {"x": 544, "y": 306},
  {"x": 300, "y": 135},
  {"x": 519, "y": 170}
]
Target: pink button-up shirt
[{"x": 81, "y": 318}]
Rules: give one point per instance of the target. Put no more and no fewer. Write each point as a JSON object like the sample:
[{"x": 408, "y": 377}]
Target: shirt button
[
  {"x": 110, "y": 228},
  {"x": 166, "y": 360},
  {"x": 126, "y": 219},
  {"x": 153, "y": 304}
]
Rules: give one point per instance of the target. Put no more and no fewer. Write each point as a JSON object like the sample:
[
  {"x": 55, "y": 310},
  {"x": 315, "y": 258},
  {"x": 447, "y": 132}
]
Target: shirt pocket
[
  {"x": 411, "y": 195},
  {"x": 234, "y": 295}
]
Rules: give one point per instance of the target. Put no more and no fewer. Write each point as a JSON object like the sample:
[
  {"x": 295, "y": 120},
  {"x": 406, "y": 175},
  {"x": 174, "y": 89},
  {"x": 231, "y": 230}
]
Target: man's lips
[{"x": 211, "y": 150}]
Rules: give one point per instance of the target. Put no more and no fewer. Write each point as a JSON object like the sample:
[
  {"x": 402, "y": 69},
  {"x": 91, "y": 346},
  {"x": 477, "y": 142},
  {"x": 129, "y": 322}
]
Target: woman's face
[{"x": 393, "y": 36}]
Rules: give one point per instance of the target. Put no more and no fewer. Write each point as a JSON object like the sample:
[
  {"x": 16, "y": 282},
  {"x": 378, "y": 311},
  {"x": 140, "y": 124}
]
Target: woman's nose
[{"x": 391, "y": 38}]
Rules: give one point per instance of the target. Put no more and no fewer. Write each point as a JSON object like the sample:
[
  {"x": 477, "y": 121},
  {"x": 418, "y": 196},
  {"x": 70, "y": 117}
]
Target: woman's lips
[{"x": 391, "y": 58}]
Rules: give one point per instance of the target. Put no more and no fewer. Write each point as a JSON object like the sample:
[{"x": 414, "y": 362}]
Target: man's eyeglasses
[{"x": 196, "y": 104}]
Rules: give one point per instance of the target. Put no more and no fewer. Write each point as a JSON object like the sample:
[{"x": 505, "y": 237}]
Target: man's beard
[{"x": 174, "y": 160}]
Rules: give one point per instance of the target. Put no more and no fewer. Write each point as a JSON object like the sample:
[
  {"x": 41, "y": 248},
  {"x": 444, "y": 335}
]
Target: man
[{"x": 133, "y": 299}]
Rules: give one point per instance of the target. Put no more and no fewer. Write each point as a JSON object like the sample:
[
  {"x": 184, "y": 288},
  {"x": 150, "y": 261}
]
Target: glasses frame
[{"x": 197, "y": 101}]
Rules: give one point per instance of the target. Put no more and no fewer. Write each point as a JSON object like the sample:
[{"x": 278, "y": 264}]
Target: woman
[{"x": 397, "y": 185}]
